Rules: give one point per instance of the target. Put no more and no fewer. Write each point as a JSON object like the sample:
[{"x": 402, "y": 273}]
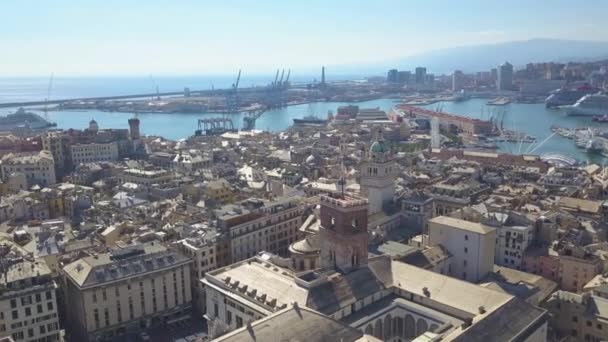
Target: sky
[{"x": 128, "y": 37}]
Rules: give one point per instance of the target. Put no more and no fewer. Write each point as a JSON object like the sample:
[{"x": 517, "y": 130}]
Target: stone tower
[
  {"x": 378, "y": 171},
  {"x": 134, "y": 128},
  {"x": 343, "y": 231}
]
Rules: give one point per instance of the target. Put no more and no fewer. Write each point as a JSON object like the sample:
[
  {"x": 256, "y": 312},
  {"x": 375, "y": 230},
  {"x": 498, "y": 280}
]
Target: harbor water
[{"x": 532, "y": 119}]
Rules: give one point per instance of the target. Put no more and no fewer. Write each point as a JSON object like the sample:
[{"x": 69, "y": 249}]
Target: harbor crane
[
  {"x": 48, "y": 97},
  {"x": 232, "y": 100}
]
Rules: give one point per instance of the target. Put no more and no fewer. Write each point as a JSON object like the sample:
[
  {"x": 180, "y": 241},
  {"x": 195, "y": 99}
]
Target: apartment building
[
  {"x": 201, "y": 246},
  {"x": 28, "y": 301},
  {"x": 256, "y": 225},
  {"x": 471, "y": 244},
  {"x": 126, "y": 290},
  {"x": 37, "y": 167},
  {"x": 94, "y": 152}
]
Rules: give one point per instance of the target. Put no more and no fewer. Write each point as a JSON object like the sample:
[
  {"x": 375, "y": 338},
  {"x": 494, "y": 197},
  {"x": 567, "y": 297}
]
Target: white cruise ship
[{"x": 591, "y": 104}]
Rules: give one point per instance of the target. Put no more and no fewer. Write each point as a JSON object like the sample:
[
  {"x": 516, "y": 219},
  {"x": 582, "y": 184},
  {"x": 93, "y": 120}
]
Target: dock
[{"x": 499, "y": 101}]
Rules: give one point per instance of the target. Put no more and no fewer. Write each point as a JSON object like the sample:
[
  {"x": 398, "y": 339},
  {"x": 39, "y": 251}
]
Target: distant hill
[{"x": 484, "y": 57}]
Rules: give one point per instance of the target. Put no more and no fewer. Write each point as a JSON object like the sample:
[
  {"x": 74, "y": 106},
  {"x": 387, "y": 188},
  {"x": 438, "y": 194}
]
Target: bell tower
[
  {"x": 378, "y": 171},
  {"x": 343, "y": 231}
]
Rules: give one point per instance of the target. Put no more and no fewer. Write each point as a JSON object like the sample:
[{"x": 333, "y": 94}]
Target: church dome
[{"x": 378, "y": 147}]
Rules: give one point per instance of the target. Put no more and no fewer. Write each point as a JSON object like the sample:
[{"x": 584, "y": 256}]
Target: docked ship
[
  {"x": 22, "y": 119},
  {"x": 568, "y": 96},
  {"x": 590, "y": 105},
  {"x": 309, "y": 120}
]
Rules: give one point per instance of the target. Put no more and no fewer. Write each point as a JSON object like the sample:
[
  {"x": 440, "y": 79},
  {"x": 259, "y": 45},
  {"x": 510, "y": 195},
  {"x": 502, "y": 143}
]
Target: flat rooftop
[{"x": 473, "y": 227}]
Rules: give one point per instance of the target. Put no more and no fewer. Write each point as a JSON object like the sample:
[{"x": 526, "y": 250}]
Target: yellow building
[{"x": 220, "y": 191}]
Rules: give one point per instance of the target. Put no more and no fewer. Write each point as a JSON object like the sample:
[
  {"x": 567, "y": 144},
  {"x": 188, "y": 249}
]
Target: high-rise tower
[{"x": 378, "y": 171}]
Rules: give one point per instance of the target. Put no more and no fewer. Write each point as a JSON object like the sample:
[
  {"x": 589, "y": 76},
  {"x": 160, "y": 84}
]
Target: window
[
  {"x": 574, "y": 319},
  {"x": 13, "y": 303},
  {"x": 15, "y": 314},
  {"x": 466, "y": 250},
  {"x": 39, "y": 308},
  {"x": 589, "y": 323},
  {"x": 599, "y": 326},
  {"x": 466, "y": 237},
  {"x": 49, "y": 306},
  {"x": 28, "y": 312},
  {"x": 49, "y": 295}
]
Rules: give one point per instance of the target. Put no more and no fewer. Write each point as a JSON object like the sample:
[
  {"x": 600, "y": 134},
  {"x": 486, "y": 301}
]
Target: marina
[{"x": 534, "y": 120}]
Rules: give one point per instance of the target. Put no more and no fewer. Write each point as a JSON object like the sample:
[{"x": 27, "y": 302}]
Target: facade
[
  {"x": 219, "y": 191},
  {"x": 576, "y": 270},
  {"x": 94, "y": 152},
  {"x": 203, "y": 252},
  {"x": 125, "y": 290},
  {"x": 28, "y": 302},
  {"x": 578, "y": 317},
  {"x": 417, "y": 209},
  {"x": 343, "y": 232},
  {"x": 378, "y": 172},
  {"x": 504, "y": 80},
  {"x": 255, "y": 225},
  {"x": 38, "y": 167},
  {"x": 450, "y": 122},
  {"x": 471, "y": 244},
  {"x": 60, "y": 147},
  {"x": 511, "y": 243}
]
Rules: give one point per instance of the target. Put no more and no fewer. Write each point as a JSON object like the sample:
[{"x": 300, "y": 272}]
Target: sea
[{"x": 532, "y": 119}]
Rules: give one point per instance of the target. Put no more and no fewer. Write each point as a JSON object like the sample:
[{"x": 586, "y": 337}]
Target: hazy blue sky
[{"x": 93, "y": 37}]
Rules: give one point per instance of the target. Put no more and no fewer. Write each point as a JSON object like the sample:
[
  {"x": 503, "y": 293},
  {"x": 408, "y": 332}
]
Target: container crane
[{"x": 48, "y": 97}]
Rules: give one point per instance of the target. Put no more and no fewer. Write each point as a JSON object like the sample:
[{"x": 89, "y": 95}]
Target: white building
[
  {"x": 471, "y": 244},
  {"x": 28, "y": 303},
  {"x": 511, "y": 242},
  {"x": 38, "y": 167},
  {"x": 126, "y": 290},
  {"x": 94, "y": 152}
]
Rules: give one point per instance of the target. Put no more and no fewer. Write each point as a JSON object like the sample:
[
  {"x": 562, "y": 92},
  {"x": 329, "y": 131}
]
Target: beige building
[
  {"x": 578, "y": 317},
  {"x": 576, "y": 270},
  {"x": 94, "y": 152},
  {"x": 37, "y": 167},
  {"x": 28, "y": 302},
  {"x": 202, "y": 250},
  {"x": 125, "y": 290},
  {"x": 471, "y": 244},
  {"x": 145, "y": 177}
]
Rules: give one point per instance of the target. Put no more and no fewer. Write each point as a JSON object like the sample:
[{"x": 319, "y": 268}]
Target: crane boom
[
  {"x": 281, "y": 79},
  {"x": 48, "y": 97},
  {"x": 276, "y": 77},
  {"x": 238, "y": 79},
  {"x": 287, "y": 78}
]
